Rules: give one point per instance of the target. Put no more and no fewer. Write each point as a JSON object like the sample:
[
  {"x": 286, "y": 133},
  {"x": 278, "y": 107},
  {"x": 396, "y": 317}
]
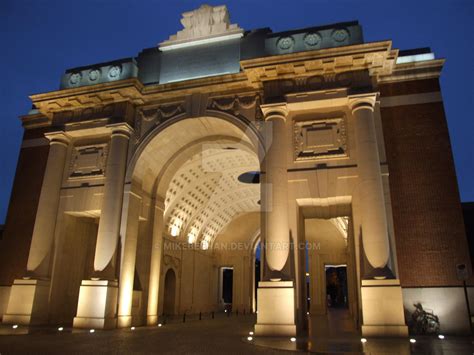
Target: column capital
[
  {"x": 58, "y": 137},
  {"x": 121, "y": 129},
  {"x": 360, "y": 101},
  {"x": 275, "y": 110}
]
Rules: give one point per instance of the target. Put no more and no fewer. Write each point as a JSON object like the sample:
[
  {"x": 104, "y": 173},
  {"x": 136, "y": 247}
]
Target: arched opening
[
  {"x": 190, "y": 168},
  {"x": 170, "y": 293}
]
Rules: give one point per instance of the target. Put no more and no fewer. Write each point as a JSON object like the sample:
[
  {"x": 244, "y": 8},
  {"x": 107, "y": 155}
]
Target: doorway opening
[
  {"x": 330, "y": 278},
  {"x": 336, "y": 287},
  {"x": 226, "y": 288},
  {"x": 170, "y": 293}
]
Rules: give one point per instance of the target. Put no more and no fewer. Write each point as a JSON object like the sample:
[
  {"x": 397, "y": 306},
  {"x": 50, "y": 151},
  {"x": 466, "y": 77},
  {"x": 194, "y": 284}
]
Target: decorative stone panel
[
  {"x": 320, "y": 139},
  {"x": 88, "y": 161}
]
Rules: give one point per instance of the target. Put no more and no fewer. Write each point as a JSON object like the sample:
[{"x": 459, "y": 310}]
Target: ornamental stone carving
[
  {"x": 161, "y": 113},
  {"x": 234, "y": 104},
  {"x": 75, "y": 78},
  {"x": 114, "y": 72},
  {"x": 150, "y": 117},
  {"x": 340, "y": 35},
  {"x": 207, "y": 21},
  {"x": 94, "y": 74},
  {"x": 312, "y": 40},
  {"x": 285, "y": 43},
  {"x": 88, "y": 161},
  {"x": 320, "y": 139},
  {"x": 171, "y": 261}
]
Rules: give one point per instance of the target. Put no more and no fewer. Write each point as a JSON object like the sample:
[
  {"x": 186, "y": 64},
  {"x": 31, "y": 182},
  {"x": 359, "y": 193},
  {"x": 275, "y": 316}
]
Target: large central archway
[{"x": 188, "y": 169}]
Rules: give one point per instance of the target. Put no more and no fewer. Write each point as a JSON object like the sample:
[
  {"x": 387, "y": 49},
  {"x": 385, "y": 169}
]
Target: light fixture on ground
[
  {"x": 307, "y": 313},
  {"x": 441, "y": 336},
  {"x": 92, "y": 331},
  {"x": 60, "y": 329},
  {"x": 249, "y": 338},
  {"x": 250, "y": 333},
  {"x": 292, "y": 339},
  {"x": 413, "y": 341},
  {"x": 132, "y": 328},
  {"x": 14, "y": 326},
  {"x": 160, "y": 325},
  {"x": 363, "y": 340}
]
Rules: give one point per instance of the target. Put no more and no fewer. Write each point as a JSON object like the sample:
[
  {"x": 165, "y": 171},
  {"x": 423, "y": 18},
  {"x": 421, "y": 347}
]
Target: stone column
[
  {"x": 276, "y": 184},
  {"x": 129, "y": 254},
  {"x": 276, "y": 298},
  {"x": 45, "y": 223},
  {"x": 380, "y": 295},
  {"x": 155, "y": 265},
  {"x": 371, "y": 195},
  {"x": 28, "y": 303},
  {"x": 111, "y": 211},
  {"x": 97, "y": 305}
]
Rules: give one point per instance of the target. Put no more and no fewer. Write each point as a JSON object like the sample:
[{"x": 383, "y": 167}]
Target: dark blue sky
[{"x": 40, "y": 39}]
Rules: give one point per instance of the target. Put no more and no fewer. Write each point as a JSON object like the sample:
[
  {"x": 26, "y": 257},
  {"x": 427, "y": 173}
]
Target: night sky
[{"x": 40, "y": 39}]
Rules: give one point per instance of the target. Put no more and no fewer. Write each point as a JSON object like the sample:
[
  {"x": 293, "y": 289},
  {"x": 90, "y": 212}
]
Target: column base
[
  {"x": 152, "y": 320},
  {"x": 28, "y": 303},
  {"x": 382, "y": 308},
  {"x": 124, "y": 321},
  {"x": 276, "y": 309},
  {"x": 385, "y": 330},
  {"x": 97, "y": 305}
]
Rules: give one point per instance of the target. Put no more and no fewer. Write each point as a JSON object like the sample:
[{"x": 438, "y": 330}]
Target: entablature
[{"x": 377, "y": 57}]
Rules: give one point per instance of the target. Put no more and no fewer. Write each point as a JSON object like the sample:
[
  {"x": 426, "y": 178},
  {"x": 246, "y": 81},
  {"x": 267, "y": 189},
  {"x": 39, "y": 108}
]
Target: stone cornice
[
  {"x": 66, "y": 99},
  {"x": 427, "y": 69},
  {"x": 34, "y": 121},
  {"x": 377, "y": 57},
  {"x": 227, "y": 82}
]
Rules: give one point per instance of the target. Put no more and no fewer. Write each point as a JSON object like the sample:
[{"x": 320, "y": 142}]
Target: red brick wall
[
  {"x": 14, "y": 247},
  {"x": 427, "y": 213}
]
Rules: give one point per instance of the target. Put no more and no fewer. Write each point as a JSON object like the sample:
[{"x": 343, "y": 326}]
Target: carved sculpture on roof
[{"x": 207, "y": 21}]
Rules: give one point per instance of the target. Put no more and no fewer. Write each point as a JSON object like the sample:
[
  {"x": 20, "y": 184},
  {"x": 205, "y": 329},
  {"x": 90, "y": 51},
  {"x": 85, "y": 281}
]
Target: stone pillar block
[
  {"x": 276, "y": 309},
  {"x": 97, "y": 305},
  {"x": 28, "y": 303},
  {"x": 382, "y": 308}
]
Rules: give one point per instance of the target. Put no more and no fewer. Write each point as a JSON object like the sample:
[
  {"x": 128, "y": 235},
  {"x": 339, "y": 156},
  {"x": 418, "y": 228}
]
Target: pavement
[{"x": 222, "y": 335}]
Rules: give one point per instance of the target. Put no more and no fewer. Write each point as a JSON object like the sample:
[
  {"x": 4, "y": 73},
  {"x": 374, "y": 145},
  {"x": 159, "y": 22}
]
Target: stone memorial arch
[{"x": 153, "y": 174}]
